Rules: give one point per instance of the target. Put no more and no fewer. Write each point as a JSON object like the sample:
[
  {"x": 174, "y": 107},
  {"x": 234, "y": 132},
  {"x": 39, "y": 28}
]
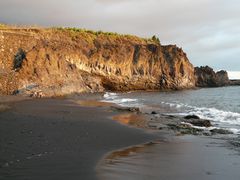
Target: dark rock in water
[
  {"x": 173, "y": 127},
  {"x": 196, "y": 121},
  {"x": 154, "y": 112},
  {"x": 171, "y": 116},
  {"x": 185, "y": 129},
  {"x": 192, "y": 131},
  {"x": 200, "y": 122},
  {"x": 130, "y": 109},
  {"x": 234, "y": 83},
  {"x": 220, "y": 131},
  {"x": 191, "y": 117},
  {"x": 157, "y": 126},
  {"x": 162, "y": 126}
]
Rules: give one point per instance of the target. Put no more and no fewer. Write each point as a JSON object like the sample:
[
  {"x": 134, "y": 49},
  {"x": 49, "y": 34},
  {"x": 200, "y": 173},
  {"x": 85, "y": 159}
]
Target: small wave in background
[
  {"x": 120, "y": 100},
  {"x": 224, "y": 119},
  {"x": 220, "y": 105}
]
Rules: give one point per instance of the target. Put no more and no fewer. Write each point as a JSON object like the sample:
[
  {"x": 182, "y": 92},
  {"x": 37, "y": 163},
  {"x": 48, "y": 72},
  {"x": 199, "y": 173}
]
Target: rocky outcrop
[
  {"x": 62, "y": 61},
  {"x": 222, "y": 78},
  {"x": 207, "y": 77},
  {"x": 234, "y": 83}
]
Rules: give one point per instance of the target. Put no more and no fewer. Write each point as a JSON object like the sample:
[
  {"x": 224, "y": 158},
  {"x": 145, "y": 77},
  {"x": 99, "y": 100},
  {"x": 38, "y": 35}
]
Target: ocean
[{"x": 220, "y": 105}]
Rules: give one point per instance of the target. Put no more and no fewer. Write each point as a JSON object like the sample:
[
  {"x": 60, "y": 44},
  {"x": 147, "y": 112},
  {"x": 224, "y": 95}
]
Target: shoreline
[
  {"x": 57, "y": 139},
  {"x": 125, "y": 163},
  {"x": 183, "y": 158},
  {"x": 69, "y": 115}
]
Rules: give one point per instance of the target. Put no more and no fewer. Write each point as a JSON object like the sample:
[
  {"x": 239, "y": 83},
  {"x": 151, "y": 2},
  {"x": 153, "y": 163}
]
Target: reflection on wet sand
[
  {"x": 114, "y": 156},
  {"x": 7, "y": 101},
  {"x": 4, "y": 107},
  {"x": 93, "y": 103},
  {"x": 185, "y": 158},
  {"x": 131, "y": 119}
]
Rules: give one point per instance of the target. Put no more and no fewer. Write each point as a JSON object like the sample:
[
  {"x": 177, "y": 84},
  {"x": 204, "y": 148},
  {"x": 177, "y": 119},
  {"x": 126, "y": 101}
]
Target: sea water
[
  {"x": 186, "y": 157},
  {"x": 220, "y": 105}
]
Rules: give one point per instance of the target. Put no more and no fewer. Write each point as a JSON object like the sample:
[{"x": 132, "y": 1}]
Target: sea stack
[{"x": 207, "y": 77}]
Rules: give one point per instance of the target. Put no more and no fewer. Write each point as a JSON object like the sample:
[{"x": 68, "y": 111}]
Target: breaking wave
[
  {"x": 226, "y": 118},
  {"x": 115, "y": 98}
]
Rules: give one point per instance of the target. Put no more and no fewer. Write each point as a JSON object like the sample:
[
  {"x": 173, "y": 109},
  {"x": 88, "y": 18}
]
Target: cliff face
[
  {"x": 59, "y": 61},
  {"x": 222, "y": 78},
  {"x": 206, "y": 77}
]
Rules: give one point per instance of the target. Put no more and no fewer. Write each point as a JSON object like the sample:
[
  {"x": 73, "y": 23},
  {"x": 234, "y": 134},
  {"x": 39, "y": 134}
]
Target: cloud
[
  {"x": 234, "y": 74},
  {"x": 208, "y": 30}
]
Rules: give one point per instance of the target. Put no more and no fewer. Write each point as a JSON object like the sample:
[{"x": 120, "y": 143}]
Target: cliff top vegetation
[{"x": 88, "y": 34}]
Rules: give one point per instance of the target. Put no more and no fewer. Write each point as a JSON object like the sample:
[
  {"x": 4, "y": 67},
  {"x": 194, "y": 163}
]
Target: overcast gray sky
[{"x": 208, "y": 30}]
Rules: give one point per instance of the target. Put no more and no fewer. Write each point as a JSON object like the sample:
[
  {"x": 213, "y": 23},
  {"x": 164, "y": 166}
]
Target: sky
[
  {"x": 207, "y": 30},
  {"x": 234, "y": 75}
]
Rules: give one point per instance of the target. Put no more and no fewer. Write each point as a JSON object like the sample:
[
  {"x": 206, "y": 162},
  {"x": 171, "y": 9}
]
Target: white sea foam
[
  {"x": 225, "y": 119},
  {"x": 109, "y": 95},
  {"x": 220, "y": 118},
  {"x": 115, "y": 98}
]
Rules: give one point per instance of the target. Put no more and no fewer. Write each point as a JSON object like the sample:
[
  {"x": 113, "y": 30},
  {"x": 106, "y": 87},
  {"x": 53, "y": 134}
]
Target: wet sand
[
  {"x": 58, "y": 139},
  {"x": 184, "y": 158}
]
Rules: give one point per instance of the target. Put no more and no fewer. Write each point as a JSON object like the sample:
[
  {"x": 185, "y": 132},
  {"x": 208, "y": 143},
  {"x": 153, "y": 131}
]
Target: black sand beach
[
  {"x": 73, "y": 139},
  {"x": 57, "y": 139}
]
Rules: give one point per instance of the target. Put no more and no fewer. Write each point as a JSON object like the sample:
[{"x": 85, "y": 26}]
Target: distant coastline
[{"x": 234, "y": 75}]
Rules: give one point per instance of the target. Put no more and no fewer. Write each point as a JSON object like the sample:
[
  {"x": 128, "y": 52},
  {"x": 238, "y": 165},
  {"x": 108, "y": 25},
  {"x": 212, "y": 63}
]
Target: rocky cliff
[
  {"x": 59, "y": 61},
  {"x": 207, "y": 77}
]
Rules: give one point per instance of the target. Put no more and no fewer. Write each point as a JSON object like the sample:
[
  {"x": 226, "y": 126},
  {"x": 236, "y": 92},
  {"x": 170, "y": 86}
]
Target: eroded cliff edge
[{"x": 62, "y": 61}]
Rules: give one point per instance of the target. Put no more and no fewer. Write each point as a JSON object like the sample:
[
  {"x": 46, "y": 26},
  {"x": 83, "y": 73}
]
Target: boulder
[
  {"x": 191, "y": 117},
  {"x": 200, "y": 122},
  {"x": 129, "y": 109},
  {"x": 154, "y": 112},
  {"x": 185, "y": 129},
  {"x": 220, "y": 131}
]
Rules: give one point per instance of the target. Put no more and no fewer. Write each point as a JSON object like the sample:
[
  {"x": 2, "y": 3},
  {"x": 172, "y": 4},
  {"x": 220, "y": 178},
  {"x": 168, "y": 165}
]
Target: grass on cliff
[
  {"x": 90, "y": 35},
  {"x": 3, "y": 25}
]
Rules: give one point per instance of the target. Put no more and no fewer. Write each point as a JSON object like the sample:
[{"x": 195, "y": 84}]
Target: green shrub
[
  {"x": 91, "y": 35},
  {"x": 2, "y": 25},
  {"x": 156, "y": 39}
]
